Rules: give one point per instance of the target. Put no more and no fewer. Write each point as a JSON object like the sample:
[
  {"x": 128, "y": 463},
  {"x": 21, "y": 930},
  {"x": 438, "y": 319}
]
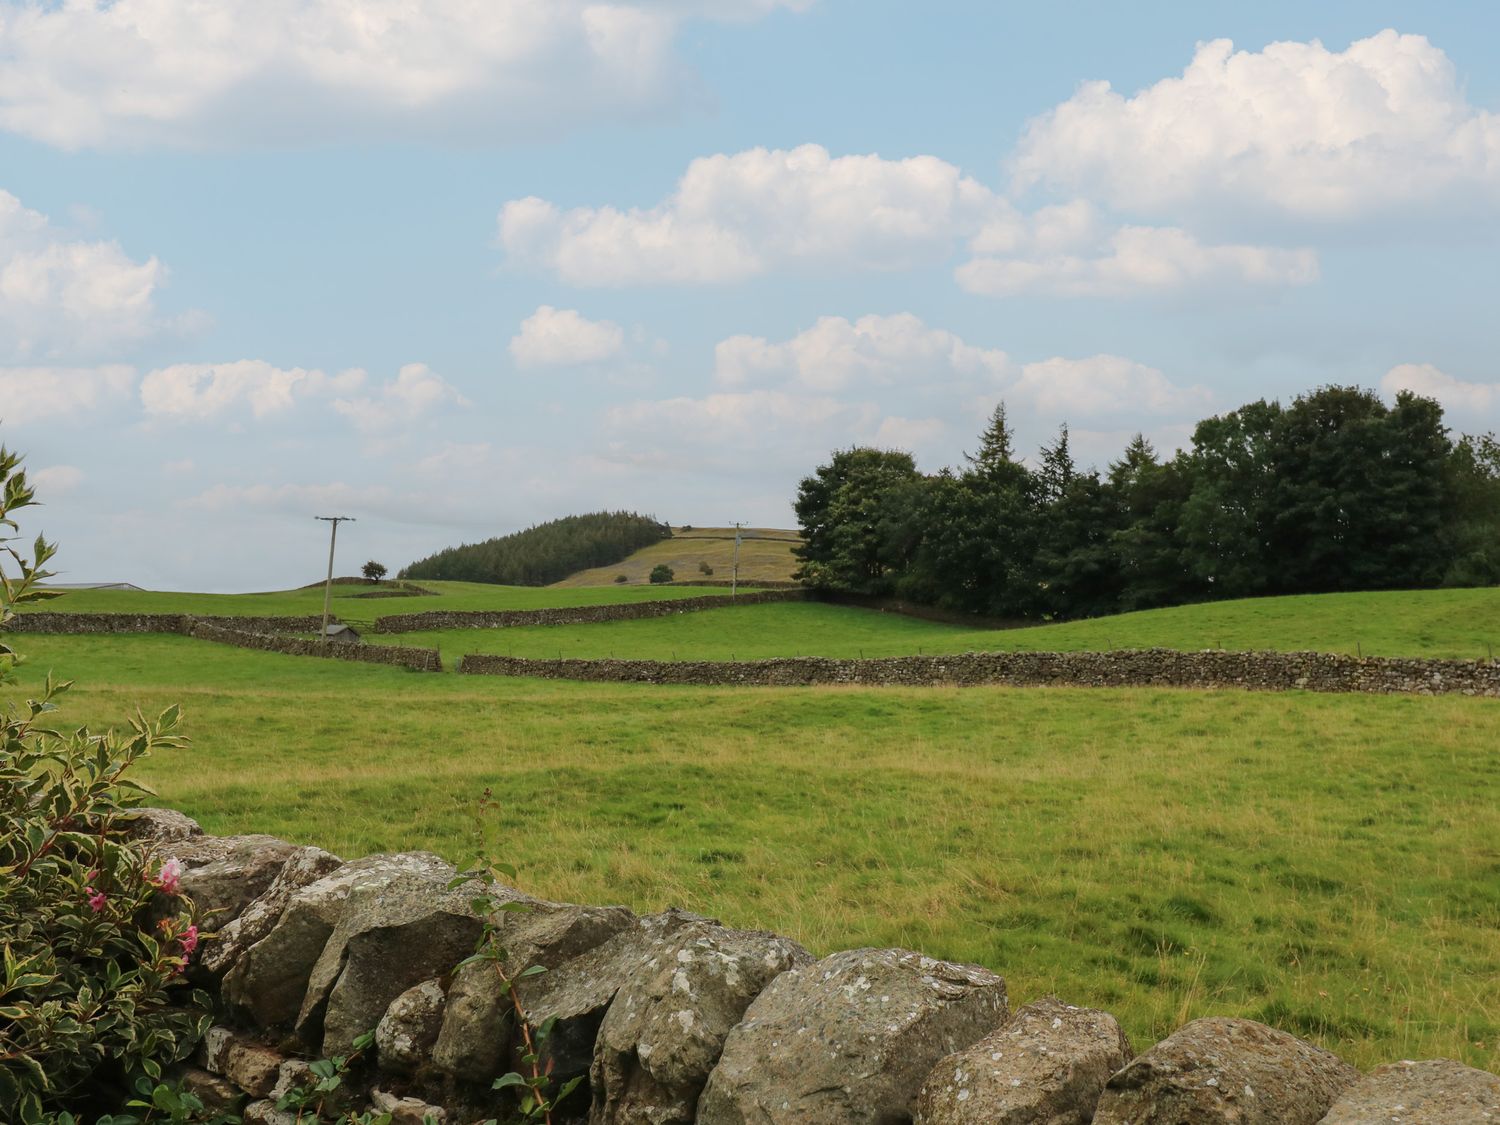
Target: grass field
[
  {"x": 765, "y": 556},
  {"x": 1458, "y": 624},
  {"x": 348, "y": 606},
  {"x": 1329, "y": 864}
]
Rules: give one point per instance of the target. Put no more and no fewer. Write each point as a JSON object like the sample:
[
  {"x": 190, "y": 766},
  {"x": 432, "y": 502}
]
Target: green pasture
[
  {"x": 1329, "y": 864},
  {"x": 348, "y": 605},
  {"x": 1458, "y": 624}
]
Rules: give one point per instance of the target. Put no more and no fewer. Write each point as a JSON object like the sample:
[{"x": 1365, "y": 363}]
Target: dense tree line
[
  {"x": 1336, "y": 491},
  {"x": 545, "y": 553}
]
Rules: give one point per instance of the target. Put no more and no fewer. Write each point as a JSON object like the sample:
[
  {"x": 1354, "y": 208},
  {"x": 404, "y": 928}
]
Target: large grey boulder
[
  {"x": 1047, "y": 1066},
  {"x": 303, "y": 867},
  {"x": 1431, "y": 1092},
  {"x": 160, "y": 826},
  {"x": 268, "y": 982},
  {"x": 222, "y": 875},
  {"x": 405, "y": 1034},
  {"x": 849, "y": 1039},
  {"x": 575, "y": 994},
  {"x": 1219, "y": 1071},
  {"x": 479, "y": 1021},
  {"x": 389, "y": 936},
  {"x": 665, "y": 1029}
]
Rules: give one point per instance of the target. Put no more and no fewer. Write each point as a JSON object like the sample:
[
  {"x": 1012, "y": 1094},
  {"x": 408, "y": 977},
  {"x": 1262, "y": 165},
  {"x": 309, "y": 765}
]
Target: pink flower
[
  {"x": 97, "y": 901},
  {"x": 189, "y": 940},
  {"x": 167, "y": 879}
]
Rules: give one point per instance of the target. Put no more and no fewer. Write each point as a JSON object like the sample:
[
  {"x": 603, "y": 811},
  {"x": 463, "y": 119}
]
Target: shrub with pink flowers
[{"x": 92, "y": 990}]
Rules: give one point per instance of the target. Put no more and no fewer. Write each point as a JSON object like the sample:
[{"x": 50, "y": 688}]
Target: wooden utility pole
[
  {"x": 333, "y": 528},
  {"x": 734, "y": 570}
]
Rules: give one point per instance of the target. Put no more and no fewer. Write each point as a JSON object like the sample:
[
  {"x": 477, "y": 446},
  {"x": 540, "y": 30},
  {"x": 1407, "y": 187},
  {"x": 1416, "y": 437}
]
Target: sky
[{"x": 460, "y": 267}]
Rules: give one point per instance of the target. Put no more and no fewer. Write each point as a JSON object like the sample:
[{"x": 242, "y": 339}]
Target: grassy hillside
[
  {"x": 1442, "y": 623},
  {"x": 765, "y": 555},
  {"x": 1325, "y": 863},
  {"x": 347, "y": 604},
  {"x": 544, "y": 553}
]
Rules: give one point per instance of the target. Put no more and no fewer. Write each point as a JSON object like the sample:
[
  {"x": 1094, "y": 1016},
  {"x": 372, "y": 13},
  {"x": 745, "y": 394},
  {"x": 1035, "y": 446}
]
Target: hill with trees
[
  {"x": 1335, "y": 492},
  {"x": 546, "y": 552}
]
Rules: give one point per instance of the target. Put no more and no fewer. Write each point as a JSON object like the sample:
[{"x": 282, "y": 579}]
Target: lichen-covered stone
[
  {"x": 665, "y": 1029},
  {"x": 389, "y": 936},
  {"x": 215, "y": 1092},
  {"x": 223, "y": 874},
  {"x": 407, "y": 1111},
  {"x": 264, "y": 1112},
  {"x": 250, "y": 1065},
  {"x": 475, "y": 1040},
  {"x": 160, "y": 826},
  {"x": 406, "y": 1033},
  {"x": 1430, "y": 1092},
  {"x": 268, "y": 982},
  {"x": 1219, "y": 1071},
  {"x": 302, "y": 867},
  {"x": 1047, "y": 1066},
  {"x": 849, "y": 1039}
]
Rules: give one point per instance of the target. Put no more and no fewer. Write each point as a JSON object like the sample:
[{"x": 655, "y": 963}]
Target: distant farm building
[{"x": 341, "y": 634}]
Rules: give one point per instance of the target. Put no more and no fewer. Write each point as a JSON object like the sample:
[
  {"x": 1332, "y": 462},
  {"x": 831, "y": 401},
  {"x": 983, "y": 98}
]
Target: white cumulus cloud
[
  {"x": 1295, "y": 127},
  {"x": 836, "y": 353},
  {"x": 60, "y": 294},
  {"x": 196, "y": 391},
  {"x": 35, "y": 394},
  {"x": 737, "y": 216},
  {"x": 1102, "y": 385},
  {"x": 415, "y": 391},
  {"x": 1473, "y": 400},
  {"x": 182, "y": 73},
  {"x": 1131, "y": 261},
  {"x": 56, "y": 480},
  {"x": 553, "y": 337}
]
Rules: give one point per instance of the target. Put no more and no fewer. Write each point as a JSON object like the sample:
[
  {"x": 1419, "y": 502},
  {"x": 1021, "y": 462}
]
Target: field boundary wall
[
  {"x": 1252, "y": 671},
  {"x": 573, "y": 615},
  {"x": 86, "y": 623},
  {"x": 417, "y": 659},
  {"x": 265, "y": 634}
]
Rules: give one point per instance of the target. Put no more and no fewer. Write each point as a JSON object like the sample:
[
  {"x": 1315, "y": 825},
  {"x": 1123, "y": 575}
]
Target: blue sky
[{"x": 504, "y": 261}]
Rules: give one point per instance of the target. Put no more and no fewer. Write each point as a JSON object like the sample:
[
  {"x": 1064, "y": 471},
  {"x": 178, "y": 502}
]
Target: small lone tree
[
  {"x": 373, "y": 570},
  {"x": 705, "y": 569},
  {"x": 621, "y": 578},
  {"x": 661, "y": 573}
]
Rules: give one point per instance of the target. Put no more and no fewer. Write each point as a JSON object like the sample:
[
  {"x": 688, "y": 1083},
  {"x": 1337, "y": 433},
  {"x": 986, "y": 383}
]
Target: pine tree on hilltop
[{"x": 996, "y": 443}]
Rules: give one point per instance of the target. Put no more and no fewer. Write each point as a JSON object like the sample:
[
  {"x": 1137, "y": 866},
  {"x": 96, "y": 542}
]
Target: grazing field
[
  {"x": 765, "y": 556},
  {"x": 1329, "y": 864},
  {"x": 347, "y": 603},
  {"x": 1458, "y": 624}
]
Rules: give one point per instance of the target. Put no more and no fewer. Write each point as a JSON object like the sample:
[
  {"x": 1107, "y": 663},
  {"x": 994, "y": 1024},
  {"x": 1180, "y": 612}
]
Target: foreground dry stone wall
[
  {"x": 676, "y": 1019},
  {"x": 1258, "y": 671},
  {"x": 573, "y": 615}
]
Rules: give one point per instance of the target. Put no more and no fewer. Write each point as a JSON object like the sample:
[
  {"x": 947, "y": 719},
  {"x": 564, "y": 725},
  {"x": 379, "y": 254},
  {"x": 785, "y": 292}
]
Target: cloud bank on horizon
[{"x": 1129, "y": 262}]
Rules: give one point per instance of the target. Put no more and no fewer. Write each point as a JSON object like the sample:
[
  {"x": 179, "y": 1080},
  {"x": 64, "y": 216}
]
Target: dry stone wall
[
  {"x": 265, "y": 634},
  {"x": 1254, "y": 671},
  {"x": 417, "y": 659},
  {"x": 573, "y": 615},
  {"x": 676, "y": 1019},
  {"x": 88, "y": 623}
]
